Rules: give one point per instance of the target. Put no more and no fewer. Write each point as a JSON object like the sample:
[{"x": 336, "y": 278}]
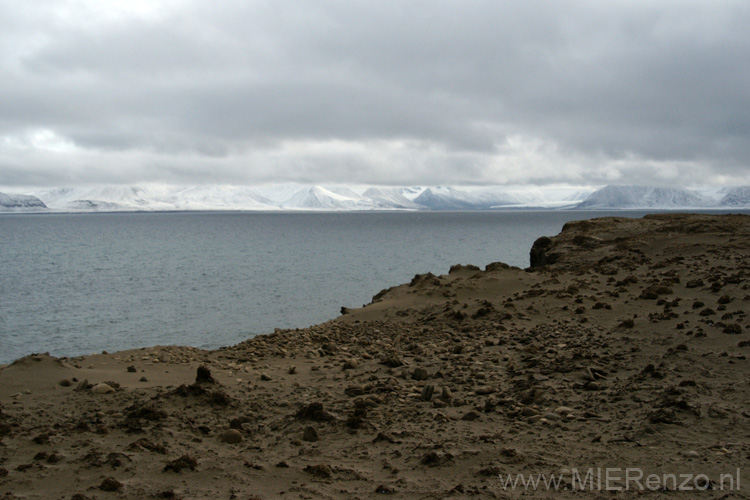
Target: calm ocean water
[{"x": 80, "y": 283}]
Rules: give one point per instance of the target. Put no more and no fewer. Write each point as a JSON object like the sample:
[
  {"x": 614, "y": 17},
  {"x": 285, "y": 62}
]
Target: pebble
[
  {"x": 110, "y": 484},
  {"x": 484, "y": 390},
  {"x": 102, "y": 389},
  {"x": 471, "y": 416},
  {"x": 310, "y": 434},
  {"x": 351, "y": 364},
  {"x": 446, "y": 394},
  {"x": 529, "y": 412},
  {"x": 354, "y": 390},
  {"x": 427, "y": 392},
  {"x": 231, "y": 436},
  {"x": 564, "y": 410}
]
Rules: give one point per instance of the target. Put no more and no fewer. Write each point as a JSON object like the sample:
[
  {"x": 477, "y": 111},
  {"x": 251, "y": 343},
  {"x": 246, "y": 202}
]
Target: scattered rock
[
  {"x": 102, "y": 389},
  {"x": 654, "y": 291},
  {"x": 446, "y": 394},
  {"x": 184, "y": 462},
  {"x": 354, "y": 390},
  {"x": 314, "y": 412},
  {"x": 433, "y": 459},
  {"x": 110, "y": 484},
  {"x": 203, "y": 376},
  {"x": 83, "y": 385},
  {"x": 420, "y": 373},
  {"x": 319, "y": 470},
  {"x": 427, "y": 392},
  {"x": 310, "y": 434},
  {"x": 733, "y": 329},
  {"x": 231, "y": 436},
  {"x": 351, "y": 364}
]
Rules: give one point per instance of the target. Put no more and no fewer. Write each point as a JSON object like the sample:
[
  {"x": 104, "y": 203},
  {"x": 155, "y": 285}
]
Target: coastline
[{"x": 597, "y": 356}]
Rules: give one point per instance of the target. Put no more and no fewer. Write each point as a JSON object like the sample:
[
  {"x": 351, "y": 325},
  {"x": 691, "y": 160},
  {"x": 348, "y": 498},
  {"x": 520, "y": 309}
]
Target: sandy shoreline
[{"x": 624, "y": 347}]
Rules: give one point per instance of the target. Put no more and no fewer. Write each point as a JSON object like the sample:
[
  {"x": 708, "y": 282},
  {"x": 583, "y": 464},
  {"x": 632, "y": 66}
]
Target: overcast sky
[{"x": 374, "y": 92}]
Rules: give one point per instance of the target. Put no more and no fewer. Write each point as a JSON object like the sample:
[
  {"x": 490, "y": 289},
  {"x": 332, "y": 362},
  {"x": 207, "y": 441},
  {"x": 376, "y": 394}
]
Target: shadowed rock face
[
  {"x": 586, "y": 242},
  {"x": 539, "y": 255}
]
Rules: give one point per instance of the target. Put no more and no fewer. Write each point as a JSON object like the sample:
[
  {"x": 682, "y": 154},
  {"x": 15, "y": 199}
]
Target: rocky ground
[{"x": 624, "y": 346}]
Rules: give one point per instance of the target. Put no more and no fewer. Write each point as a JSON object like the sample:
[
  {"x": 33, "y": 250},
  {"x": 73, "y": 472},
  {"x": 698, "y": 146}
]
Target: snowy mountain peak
[
  {"x": 320, "y": 198},
  {"x": 390, "y": 198},
  {"x": 736, "y": 197},
  {"x": 614, "y": 197},
  {"x": 20, "y": 202},
  {"x": 331, "y": 198}
]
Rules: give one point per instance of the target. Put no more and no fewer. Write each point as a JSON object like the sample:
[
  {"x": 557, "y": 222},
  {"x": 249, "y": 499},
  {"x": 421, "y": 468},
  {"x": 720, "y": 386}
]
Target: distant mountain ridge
[
  {"x": 619, "y": 197},
  {"x": 20, "y": 202},
  {"x": 736, "y": 197},
  {"x": 345, "y": 198}
]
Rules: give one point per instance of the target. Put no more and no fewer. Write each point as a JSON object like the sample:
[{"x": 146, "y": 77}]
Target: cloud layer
[{"x": 391, "y": 92}]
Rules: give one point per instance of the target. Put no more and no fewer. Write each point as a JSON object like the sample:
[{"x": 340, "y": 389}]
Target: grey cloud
[{"x": 234, "y": 83}]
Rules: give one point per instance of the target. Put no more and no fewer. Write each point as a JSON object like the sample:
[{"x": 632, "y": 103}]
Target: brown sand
[{"x": 625, "y": 347}]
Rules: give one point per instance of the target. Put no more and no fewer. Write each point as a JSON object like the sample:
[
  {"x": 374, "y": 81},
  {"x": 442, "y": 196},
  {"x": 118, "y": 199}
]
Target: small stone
[
  {"x": 446, "y": 394},
  {"x": 203, "y": 376},
  {"x": 351, "y": 364},
  {"x": 315, "y": 412},
  {"x": 310, "y": 434},
  {"x": 65, "y": 382},
  {"x": 354, "y": 390},
  {"x": 265, "y": 377},
  {"x": 319, "y": 470},
  {"x": 420, "y": 373},
  {"x": 733, "y": 329},
  {"x": 385, "y": 490},
  {"x": 529, "y": 412},
  {"x": 231, "y": 436},
  {"x": 427, "y": 392},
  {"x": 102, "y": 389},
  {"x": 184, "y": 462},
  {"x": 564, "y": 410},
  {"x": 471, "y": 416},
  {"x": 131, "y": 369},
  {"x": 330, "y": 348},
  {"x": 143, "y": 379},
  {"x": 110, "y": 484},
  {"x": 484, "y": 390},
  {"x": 83, "y": 385}
]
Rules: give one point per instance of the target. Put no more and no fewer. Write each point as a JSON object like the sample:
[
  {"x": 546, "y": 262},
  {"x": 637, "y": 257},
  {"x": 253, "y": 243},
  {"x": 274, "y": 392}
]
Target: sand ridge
[{"x": 623, "y": 346}]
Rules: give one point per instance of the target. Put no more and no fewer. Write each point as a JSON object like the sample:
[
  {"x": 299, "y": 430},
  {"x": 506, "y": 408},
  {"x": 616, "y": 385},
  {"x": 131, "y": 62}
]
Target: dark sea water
[{"x": 74, "y": 284}]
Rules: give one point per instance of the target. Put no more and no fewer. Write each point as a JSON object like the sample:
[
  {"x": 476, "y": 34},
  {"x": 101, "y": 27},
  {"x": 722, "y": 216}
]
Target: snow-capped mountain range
[
  {"x": 20, "y": 203},
  {"x": 347, "y": 198}
]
